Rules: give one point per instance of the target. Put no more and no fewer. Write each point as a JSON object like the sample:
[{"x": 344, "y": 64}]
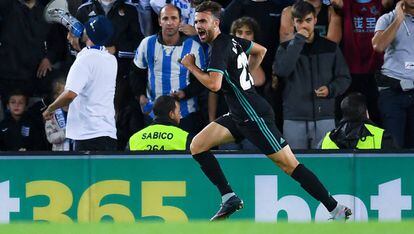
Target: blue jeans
[{"x": 397, "y": 112}]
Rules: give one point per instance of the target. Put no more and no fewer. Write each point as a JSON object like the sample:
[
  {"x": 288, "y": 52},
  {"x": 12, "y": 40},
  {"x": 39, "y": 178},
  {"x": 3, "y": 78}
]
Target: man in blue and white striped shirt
[{"x": 159, "y": 55}]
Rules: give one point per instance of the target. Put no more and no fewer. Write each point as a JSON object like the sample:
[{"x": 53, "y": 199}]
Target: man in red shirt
[{"x": 360, "y": 17}]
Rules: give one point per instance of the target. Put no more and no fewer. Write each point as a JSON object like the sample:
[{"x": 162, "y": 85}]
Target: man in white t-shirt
[{"x": 90, "y": 89}]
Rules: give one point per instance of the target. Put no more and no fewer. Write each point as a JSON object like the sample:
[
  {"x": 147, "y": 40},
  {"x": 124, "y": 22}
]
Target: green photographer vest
[
  {"x": 159, "y": 137},
  {"x": 370, "y": 142}
]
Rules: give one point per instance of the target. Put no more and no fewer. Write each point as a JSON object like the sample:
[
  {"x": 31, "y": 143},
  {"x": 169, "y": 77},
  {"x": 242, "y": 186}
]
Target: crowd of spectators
[{"x": 149, "y": 40}]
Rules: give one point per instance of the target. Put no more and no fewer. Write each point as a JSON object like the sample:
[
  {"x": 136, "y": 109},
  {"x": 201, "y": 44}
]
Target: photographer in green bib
[
  {"x": 355, "y": 130},
  {"x": 163, "y": 133}
]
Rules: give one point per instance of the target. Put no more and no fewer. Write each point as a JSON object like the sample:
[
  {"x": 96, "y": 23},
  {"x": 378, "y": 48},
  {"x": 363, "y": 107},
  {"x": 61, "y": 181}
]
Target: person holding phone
[{"x": 394, "y": 35}]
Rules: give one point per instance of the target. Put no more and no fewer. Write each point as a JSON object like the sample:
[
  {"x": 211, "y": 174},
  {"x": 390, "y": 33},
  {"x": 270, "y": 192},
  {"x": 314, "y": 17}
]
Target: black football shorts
[{"x": 262, "y": 133}]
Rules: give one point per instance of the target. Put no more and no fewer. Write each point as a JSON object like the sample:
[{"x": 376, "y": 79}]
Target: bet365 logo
[
  {"x": 89, "y": 207},
  {"x": 7, "y": 204},
  {"x": 388, "y": 202}
]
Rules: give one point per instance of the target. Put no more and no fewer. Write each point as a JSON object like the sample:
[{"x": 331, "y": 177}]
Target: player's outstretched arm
[
  {"x": 212, "y": 80},
  {"x": 257, "y": 53}
]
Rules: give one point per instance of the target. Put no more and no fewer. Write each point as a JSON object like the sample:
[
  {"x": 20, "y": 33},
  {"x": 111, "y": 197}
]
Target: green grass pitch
[{"x": 229, "y": 227}]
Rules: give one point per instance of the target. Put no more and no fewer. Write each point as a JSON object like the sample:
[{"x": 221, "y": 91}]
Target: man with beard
[
  {"x": 158, "y": 71},
  {"x": 250, "y": 115},
  {"x": 394, "y": 34}
]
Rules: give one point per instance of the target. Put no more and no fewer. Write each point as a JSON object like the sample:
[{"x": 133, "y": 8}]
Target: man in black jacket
[
  {"x": 124, "y": 18},
  {"x": 314, "y": 72},
  {"x": 27, "y": 47}
]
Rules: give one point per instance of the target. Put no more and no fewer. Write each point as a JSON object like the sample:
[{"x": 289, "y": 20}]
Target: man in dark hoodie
[
  {"x": 355, "y": 130},
  {"x": 28, "y": 47},
  {"x": 163, "y": 133},
  {"x": 314, "y": 72}
]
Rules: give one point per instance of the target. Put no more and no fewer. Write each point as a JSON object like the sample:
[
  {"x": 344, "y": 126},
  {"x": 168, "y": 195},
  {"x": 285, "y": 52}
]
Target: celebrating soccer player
[{"x": 250, "y": 115}]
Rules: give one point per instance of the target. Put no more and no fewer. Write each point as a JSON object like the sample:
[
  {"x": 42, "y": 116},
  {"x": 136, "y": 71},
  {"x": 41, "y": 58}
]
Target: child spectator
[
  {"x": 18, "y": 132},
  {"x": 56, "y": 127},
  {"x": 248, "y": 28}
]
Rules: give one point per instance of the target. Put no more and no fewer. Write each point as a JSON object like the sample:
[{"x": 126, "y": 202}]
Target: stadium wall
[{"x": 171, "y": 187}]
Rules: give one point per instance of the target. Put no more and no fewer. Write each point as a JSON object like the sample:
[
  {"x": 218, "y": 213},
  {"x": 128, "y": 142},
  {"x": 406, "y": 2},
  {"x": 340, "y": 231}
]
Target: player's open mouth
[{"x": 202, "y": 34}]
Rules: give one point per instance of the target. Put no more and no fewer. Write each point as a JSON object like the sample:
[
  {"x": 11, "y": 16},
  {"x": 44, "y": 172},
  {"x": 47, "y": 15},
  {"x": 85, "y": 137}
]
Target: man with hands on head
[{"x": 314, "y": 72}]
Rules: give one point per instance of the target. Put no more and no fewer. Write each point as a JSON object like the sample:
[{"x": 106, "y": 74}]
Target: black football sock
[
  {"x": 211, "y": 168},
  {"x": 313, "y": 186}
]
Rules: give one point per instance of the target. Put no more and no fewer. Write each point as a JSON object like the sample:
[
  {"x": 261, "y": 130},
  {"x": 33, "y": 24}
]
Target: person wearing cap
[
  {"x": 126, "y": 38},
  {"x": 90, "y": 90},
  {"x": 163, "y": 133}
]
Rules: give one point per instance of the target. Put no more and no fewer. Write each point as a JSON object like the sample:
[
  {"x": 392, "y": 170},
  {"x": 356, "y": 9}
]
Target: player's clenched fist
[{"x": 188, "y": 60}]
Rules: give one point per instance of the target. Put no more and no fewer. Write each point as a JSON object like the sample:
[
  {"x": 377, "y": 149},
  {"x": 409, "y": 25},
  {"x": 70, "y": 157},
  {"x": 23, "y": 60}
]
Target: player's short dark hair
[
  {"x": 195, "y": 3},
  {"x": 17, "y": 92},
  {"x": 174, "y": 6},
  {"x": 354, "y": 106},
  {"x": 301, "y": 9},
  {"x": 213, "y": 7},
  {"x": 163, "y": 105},
  {"x": 249, "y": 22}
]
